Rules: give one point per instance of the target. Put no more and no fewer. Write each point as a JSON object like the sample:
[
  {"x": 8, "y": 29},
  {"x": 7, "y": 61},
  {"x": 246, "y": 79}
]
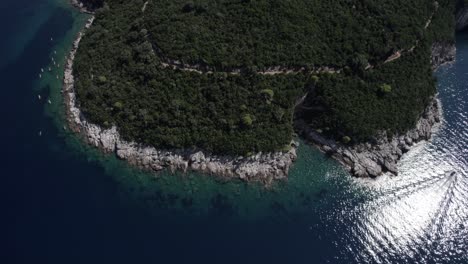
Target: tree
[
  {"x": 315, "y": 79},
  {"x": 102, "y": 79},
  {"x": 385, "y": 88},
  {"x": 346, "y": 139},
  {"x": 359, "y": 62},
  {"x": 118, "y": 105},
  {"x": 268, "y": 94},
  {"x": 247, "y": 120}
]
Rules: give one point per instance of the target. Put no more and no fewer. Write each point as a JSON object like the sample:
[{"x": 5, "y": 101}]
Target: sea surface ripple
[{"x": 423, "y": 213}]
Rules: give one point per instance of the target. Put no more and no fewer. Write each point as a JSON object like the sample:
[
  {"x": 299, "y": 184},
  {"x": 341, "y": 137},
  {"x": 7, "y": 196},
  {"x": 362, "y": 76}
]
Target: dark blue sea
[{"x": 64, "y": 202}]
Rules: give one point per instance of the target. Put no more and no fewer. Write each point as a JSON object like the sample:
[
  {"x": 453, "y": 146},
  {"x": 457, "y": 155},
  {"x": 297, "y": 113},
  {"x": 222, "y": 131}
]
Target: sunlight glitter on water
[
  {"x": 424, "y": 208},
  {"x": 422, "y": 213}
]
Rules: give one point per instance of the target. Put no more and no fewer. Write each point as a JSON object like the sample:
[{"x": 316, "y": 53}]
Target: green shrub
[
  {"x": 118, "y": 105},
  {"x": 247, "y": 120},
  {"x": 346, "y": 140},
  {"x": 385, "y": 88},
  {"x": 102, "y": 79}
]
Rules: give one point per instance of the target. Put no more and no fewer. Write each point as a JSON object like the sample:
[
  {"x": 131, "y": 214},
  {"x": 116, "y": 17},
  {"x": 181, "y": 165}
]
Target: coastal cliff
[
  {"x": 382, "y": 153},
  {"x": 368, "y": 159},
  {"x": 87, "y": 6},
  {"x": 371, "y": 159},
  {"x": 262, "y": 167},
  {"x": 442, "y": 53}
]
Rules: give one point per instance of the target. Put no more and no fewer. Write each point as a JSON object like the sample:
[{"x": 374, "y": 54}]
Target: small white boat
[
  {"x": 54, "y": 62},
  {"x": 57, "y": 77},
  {"x": 40, "y": 76},
  {"x": 55, "y": 52},
  {"x": 39, "y": 96},
  {"x": 58, "y": 65},
  {"x": 42, "y": 70},
  {"x": 49, "y": 102},
  {"x": 40, "y": 133},
  {"x": 50, "y": 69},
  {"x": 51, "y": 39}
]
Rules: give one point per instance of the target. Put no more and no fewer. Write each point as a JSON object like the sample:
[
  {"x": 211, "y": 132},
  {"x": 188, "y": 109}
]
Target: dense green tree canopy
[
  {"x": 122, "y": 78},
  {"x": 238, "y": 33}
]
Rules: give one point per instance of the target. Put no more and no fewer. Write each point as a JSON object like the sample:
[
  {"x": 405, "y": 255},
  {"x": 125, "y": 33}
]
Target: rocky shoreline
[
  {"x": 371, "y": 159},
  {"x": 362, "y": 160},
  {"x": 442, "y": 53},
  {"x": 78, "y": 4},
  {"x": 262, "y": 167},
  {"x": 381, "y": 156}
]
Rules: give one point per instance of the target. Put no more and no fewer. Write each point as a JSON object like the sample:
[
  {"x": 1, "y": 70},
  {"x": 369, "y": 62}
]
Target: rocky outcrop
[
  {"x": 87, "y": 6},
  {"x": 371, "y": 160},
  {"x": 262, "y": 167},
  {"x": 461, "y": 16},
  {"x": 442, "y": 53},
  {"x": 362, "y": 160},
  {"x": 382, "y": 155}
]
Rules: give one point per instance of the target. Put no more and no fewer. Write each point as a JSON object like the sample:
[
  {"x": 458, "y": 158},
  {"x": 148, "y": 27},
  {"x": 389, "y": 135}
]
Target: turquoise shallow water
[{"x": 64, "y": 202}]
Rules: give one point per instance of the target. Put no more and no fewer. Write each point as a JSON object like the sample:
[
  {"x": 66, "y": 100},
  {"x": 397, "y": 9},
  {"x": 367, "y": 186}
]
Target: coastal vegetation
[
  {"x": 359, "y": 104},
  {"x": 260, "y": 33},
  {"x": 123, "y": 78}
]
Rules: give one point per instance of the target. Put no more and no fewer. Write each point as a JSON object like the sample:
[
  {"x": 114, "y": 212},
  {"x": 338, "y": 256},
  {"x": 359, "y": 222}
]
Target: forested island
[{"x": 238, "y": 78}]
